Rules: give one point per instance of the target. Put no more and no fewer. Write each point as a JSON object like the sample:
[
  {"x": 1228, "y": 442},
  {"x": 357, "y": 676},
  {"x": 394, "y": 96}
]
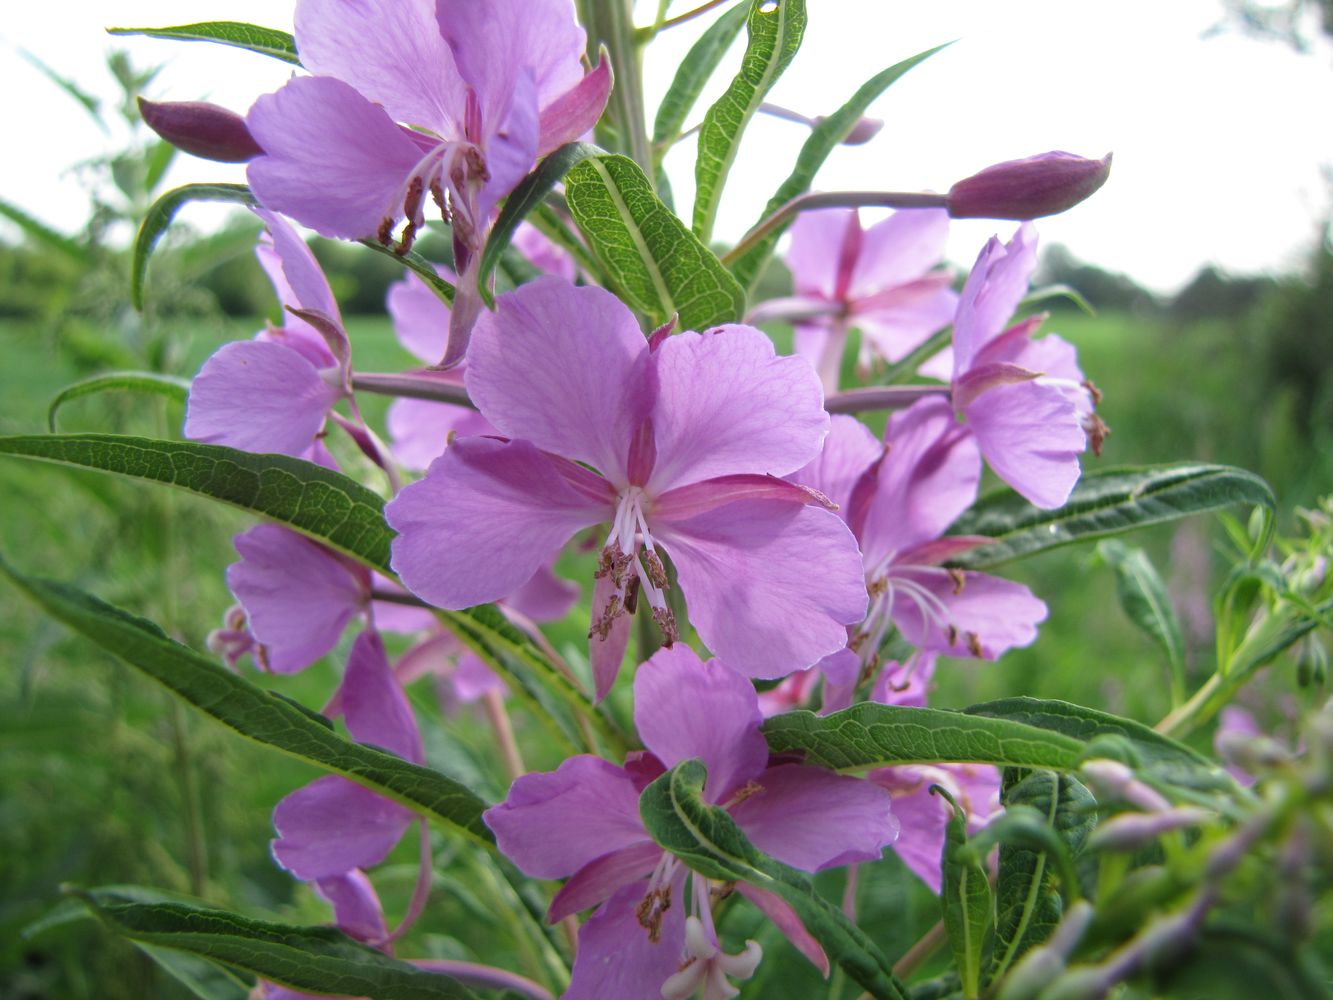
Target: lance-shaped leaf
[
  {"x": 1156, "y": 757},
  {"x": 159, "y": 218},
  {"x": 1144, "y": 599},
  {"x": 1105, "y": 502},
  {"x": 776, "y": 28},
  {"x": 1027, "y": 892},
  {"x": 874, "y": 735},
  {"x": 315, "y": 501},
  {"x": 265, "y": 41},
  {"x": 522, "y": 200},
  {"x": 311, "y": 959},
  {"x": 693, "y": 74},
  {"x": 251, "y": 711},
  {"x": 708, "y": 840},
  {"x": 169, "y": 386},
  {"x": 44, "y": 234},
  {"x": 825, "y": 138},
  {"x": 967, "y": 901},
  {"x": 204, "y": 979},
  {"x": 417, "y": 264},
  {"x": 656, "y": 265}
]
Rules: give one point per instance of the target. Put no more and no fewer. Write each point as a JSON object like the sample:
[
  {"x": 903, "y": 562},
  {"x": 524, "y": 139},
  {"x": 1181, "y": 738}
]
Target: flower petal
[
  {"x": 899, "y": 249},
  {"x": 554, "y": 365},
  {"x": 419, "y": 429},
  {"x": 900, "y": 320},
  {"x": 573, "y": 114},
  {"x": 784, "y": 918},
  {"x": 727, "y": 404},
  {"x": 819, "y": 251},
  {"x": 298, "y": 596},
  {"x": 849, "y": 451},
  {"x": 373, "y": 703},
  {"x": 606, "y": 653},
  {"x": 598, "y": 879},
  {"x": 814, "y": 819},
  {"x": 545, "y": 597},
  {"x": 686, "y": 708},
  {"x": 486, "y": 517},
  {"x": 617, "y": 958},
  {"x": 356, "y": 907},
  {"x": 982, "y": 615},
  {"x": 997, "y": 283},
  {"x": 420, "y": 317},
  {"x": 1031, "y": 435},
  {"x": 556, "y": 822},
  {"x": 333, "y": 825},
  {"x": 334, "y": 161},
  {"x": 770, "y": 585}
]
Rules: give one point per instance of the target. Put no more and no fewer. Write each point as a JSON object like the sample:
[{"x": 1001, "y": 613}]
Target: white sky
[{"x": 1218, "y": 144}]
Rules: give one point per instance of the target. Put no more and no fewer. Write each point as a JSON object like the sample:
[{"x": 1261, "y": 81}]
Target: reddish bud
[
  {"x": 862, "y": 132},
  {"x": 201, "y": 129},
  {"x": 1046, "y": 184}
]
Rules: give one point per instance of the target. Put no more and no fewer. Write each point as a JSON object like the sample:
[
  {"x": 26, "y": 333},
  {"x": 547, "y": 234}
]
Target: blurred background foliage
[{"x": 103, "y": 780}]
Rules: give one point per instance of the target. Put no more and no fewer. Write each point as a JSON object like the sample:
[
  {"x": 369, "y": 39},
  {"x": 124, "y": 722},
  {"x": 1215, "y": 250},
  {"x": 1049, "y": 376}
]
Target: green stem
[{"x": 611, "y": 23}]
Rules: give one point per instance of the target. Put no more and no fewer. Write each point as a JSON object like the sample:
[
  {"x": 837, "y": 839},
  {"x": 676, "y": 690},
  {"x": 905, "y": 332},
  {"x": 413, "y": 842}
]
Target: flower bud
[
  {"x": 1046, "y": 184},
  {"x": 1131, "y": 831},
  {"x": 201, "y": 129},
  {"x": 862, "y": 132}
]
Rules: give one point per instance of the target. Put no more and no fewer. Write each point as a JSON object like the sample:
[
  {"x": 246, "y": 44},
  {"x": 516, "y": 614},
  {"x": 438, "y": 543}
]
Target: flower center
[{"x": 629, "y": 546}]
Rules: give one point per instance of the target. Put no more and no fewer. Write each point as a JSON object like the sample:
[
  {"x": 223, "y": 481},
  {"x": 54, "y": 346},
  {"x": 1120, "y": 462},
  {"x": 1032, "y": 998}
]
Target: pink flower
[{"x": 686, "y": 435}]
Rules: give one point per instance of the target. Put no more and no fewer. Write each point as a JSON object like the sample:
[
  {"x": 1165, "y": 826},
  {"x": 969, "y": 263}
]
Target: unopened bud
[
  {"x": 1038, "y": 967},
  {"x": 1131, "y": 831},
  {"x": 202, "y": 129},
  {"x": 1046, "y": 184},
  {"x": 1084, "y": 983},
  {"x": 1311, "y": 662},
  {"x": 862, "y": 132},
  {"x": 1111, "y": 779}
]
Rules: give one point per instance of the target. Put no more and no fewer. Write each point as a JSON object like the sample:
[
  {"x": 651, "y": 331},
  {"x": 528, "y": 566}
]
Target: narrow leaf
[
  {"x": 825, "y": 138},
  {"x": 204, "y": 979},
  {"x": 265, "y": 41},
  {"x": 418, "y": 265},
  {"x": 655, "y": 263},
  {"x": 776, "y": 28},
  {"x": 1105, "y": 502},
  {"x": 708, "y": 841},
  {"x": 873, "y": 735},
  {"x": 1145, "y": 601},
  {"x": 85, "y": 100},
  {"x": 159, "y": 217},
  {"x": 1028, "y": 900},
  {"x": 693, "y": 74},
  {"x": 168, "y": 386},
  {"x": 44, "y": 234},
  {"x": 311, "y": 959},
  {"x": 249, "y": 710},
  {"x": 326, "y": 505},
  {"x": 967, "y": 901},
  {"x": 523, "y": 199}
]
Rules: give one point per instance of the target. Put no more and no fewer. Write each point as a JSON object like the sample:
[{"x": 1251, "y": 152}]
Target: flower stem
[
  {"x": 421, "y": 384},
  {"x": 498, "y": 717},
  {"x": 890, "y": 397}
]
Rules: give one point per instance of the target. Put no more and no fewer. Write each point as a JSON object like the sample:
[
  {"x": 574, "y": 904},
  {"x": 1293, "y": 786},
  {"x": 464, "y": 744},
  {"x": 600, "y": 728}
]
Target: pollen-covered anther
[
  {"x": 1093, "y": 391},
  {"x": 666, "y": 621},
  {"x": 721, "y": 890},
  {"x": 958, "y": 578},
  {"x": 953, "y": 635},
  {"x": 651, "y": 910},
  {"x": 750, "y": 788},
  {"x": 877, "y": 586},
  {"x": 973, "y": 643},
  {"x": 1097, "y": 430},
  {"x": 601, "y": 627},
  {"x": 657, "y": 573}
]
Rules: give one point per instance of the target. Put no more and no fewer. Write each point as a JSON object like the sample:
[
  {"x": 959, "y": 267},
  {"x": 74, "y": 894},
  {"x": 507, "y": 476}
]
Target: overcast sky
[{"x": 1218, "y": 143}]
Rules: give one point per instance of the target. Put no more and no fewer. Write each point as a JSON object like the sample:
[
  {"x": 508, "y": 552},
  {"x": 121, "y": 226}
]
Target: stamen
[
  {"x": 656, "y": 571},
  {"x": 958, "y": 578},
  {"x": 666, "y": 621}
]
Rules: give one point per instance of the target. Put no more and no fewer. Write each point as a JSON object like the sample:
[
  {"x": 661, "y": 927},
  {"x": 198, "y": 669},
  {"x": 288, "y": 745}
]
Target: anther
[
  {"x": 632, "y": 595},
  {"x": 953, "y": 635},
  {"x": 602, "y": 626},
  {"x": 666, "y": 621},
  {"x": 657, "y": 573},
  {"x": 973, "y": 644},
  {"x": 956, "y": 575}
]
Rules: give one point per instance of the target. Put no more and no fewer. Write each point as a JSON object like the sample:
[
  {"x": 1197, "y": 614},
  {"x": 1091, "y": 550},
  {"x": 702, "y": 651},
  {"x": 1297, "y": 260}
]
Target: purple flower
[
  {"x": 1026, "y": 401},
  {"x": 413, "y": 101},
  {"x": 582, "y": 822},
  {"x": 883, "y": 281},
  {"x": 274, "y": 393},
  {"x": 687, "y": 435}
]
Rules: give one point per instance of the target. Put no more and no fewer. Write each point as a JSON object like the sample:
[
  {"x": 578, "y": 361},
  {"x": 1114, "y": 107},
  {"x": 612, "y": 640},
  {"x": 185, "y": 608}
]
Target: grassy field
[{"x": 103, "y": 780}]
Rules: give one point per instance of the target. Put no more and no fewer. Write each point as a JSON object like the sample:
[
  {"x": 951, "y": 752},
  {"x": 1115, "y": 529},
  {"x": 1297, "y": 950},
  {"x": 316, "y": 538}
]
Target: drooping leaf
[
  {"x": 693, "y": 74},
  {"x": 775, "y": 28},
  {"x": 708, "y": 841},
  {"x": 44, "y": 234},
  {"x": 251, "y": 711},
  {"x": 1145, "y": 601},
  {"x": 169, "y": 386},
  {"x": 312, "y": 959},
  {"x": 523, "y": 199},
  {"x": 1027, "y": 893},
  {"x": 967, "y": 901},
  {"x": 159, "y": 217},
  {"x": 1153, "y": 755},
  {"x": 326, "y": 505},
  {"x": 265, "y": 41},
  {"x": 874, "y": 735},
  {"x": 652, "y": 260},
  {"x": 825, "y": 138},
  {"x": 1105, "y": 502}
]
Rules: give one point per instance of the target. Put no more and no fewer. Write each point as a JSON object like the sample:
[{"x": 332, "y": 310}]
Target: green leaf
[
  {"x": 1028, "y": 901},
  {"x": 706, "y": 839},
  {"x": 159, "y": 217},
  {"x": 693, "y": 74},
  {"x": 522, "y": 200},
  {"x": 326, "y": 505},
  {"x": 967, "y": 901},
  {"x": 311, "y": 959},
  {"x": 1105, "y": 502},
  {"x": 418, "y": 265},
  {"x": 251, "y": 711},
  {"x": 152, "y": 382},
  {"x": 825, "y": 138},
  {"x": 85, "y": 100},
  {"x": 44, "y": 234},
  {"x": 1145, "y": 601},
  {"x": 873, "y": 735},
  {"x": 201, "y": 977},
  {"x": 776, "y": 28},
  {"x": 265, "y": 41},
  {"x": 654, "y": 262}
]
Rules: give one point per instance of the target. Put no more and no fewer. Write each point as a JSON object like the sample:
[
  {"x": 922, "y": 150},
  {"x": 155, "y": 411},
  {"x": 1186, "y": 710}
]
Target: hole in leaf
[{"x": 768, "y": 6}]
